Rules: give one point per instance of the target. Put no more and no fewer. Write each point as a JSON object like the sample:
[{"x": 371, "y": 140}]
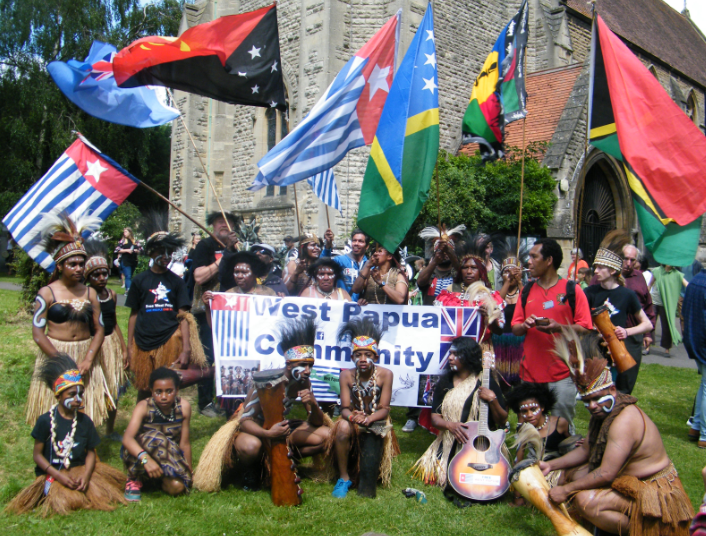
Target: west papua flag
[
  {"x": 232, "y": 59},
  {"x": 346, "y": 116},
  {"x": 83, "y": 180}
]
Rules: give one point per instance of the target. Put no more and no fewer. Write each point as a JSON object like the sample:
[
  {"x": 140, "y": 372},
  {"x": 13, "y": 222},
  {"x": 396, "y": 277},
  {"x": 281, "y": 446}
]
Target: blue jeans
[
  {"x": 127, "y": 272},
  {"x": 699, "y": 422}
]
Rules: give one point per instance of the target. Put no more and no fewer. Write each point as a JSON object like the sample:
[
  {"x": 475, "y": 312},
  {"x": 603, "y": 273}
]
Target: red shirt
[{"x": 539, "y": 364}]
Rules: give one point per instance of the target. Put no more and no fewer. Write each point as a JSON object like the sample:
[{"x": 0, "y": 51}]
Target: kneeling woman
[{"x": 69, "y": 477}]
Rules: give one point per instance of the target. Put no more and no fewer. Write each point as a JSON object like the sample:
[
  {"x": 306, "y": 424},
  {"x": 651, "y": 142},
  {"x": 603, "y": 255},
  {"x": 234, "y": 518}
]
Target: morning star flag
[
  {"x": 233, "y": 59},
  {"x": 633, "y": 119},
  {"x": 499, "y": 97},
  {"x": 82, "y": 180},
  {"x": 91, "y": 86},
  {"x": 324, "y": 186},
  {"x": 345, "y": 117},
  {"x": 403, "y": 155}
]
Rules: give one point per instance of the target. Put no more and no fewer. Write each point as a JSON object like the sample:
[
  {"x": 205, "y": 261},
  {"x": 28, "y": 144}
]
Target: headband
[
  {"x": 66, "y": 380},
  {"x": 603, "y": 381},
  {"x": 364, "y": 342},
  {"x": 300, "y": 354},
  {"x": 94, "y": 263},
  {"x": 69, "y": 250},
  {"x": 605, "y": 257}
]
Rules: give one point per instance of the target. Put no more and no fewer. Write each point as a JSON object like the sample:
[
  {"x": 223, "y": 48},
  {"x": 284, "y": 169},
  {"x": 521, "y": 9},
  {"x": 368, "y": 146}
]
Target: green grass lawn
[{"x": 666, "y": 394}]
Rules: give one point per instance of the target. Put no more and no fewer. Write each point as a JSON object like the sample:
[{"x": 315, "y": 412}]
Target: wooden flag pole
[
  {"x": 328, "y": 220},
  {"x": 438, "y": 203},
  {"x": 203, "y": 165},
  {"x": 296, "y": 209},
  {"x": 522, "y": 186}
]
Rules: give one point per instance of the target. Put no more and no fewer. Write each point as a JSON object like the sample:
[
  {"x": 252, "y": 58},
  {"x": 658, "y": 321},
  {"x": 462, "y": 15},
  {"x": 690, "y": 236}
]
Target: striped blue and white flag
[
  {"x": 230, "y": 323},
  {"x": 83, "y": 180},
  {"x": 345, "y": 117},
  {"x": 324, "y": 186}
]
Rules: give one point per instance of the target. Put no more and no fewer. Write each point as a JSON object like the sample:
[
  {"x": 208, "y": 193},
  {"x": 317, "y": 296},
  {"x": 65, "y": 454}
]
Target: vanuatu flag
[
  {"x": 406, "y": 144},
  {"x": 663, "y": 153},
  {"x": 233, "y": 59},
  {"x": 499, "y": 95}
]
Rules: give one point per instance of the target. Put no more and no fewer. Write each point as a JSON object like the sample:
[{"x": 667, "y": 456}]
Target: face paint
[
  {"x": 297, "y": 372},
  {"x": 36, "y": 321},
  {"x": 77, "y": 398},
  {"x": 606, "y": 398}
]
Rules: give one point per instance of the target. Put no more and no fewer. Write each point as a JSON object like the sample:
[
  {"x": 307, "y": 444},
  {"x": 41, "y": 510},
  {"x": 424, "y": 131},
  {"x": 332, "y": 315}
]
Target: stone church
[{"x": 317, "y": 37}]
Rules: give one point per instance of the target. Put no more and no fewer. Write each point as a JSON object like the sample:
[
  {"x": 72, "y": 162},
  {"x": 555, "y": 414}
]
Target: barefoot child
[
  {"x": 68, "y": 475},
  {"x": 156, "y": 444}
]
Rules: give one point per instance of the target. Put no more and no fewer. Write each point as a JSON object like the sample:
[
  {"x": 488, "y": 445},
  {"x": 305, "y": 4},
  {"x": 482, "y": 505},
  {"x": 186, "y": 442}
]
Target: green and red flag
[
  {"x": 233, "y": 59},
  {"x": 633, "y": 119},
  {"x": 499, "y": 96}
]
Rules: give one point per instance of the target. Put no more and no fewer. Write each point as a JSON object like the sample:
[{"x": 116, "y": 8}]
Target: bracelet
[{"x": 139, "y": 456}]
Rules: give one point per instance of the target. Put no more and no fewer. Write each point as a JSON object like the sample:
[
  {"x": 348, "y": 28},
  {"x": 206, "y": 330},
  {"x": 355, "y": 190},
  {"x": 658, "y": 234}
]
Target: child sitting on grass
[
  {"x": 68, "y": 475},
  {"x": 156, "y": 445}
]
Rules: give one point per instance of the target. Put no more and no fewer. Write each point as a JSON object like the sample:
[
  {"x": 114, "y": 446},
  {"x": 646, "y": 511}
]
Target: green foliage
[
  {"x": 487, "y": 197},
  {"x": 31, "y": 275},
  {"x": 126, "y": 215}
]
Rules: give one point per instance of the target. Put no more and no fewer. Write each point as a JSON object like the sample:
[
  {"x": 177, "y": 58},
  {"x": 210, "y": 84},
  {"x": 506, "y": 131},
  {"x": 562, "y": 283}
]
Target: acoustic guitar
[{"x": 479, "y": 471}]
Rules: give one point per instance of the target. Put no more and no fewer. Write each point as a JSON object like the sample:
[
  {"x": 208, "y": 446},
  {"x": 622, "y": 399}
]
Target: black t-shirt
[
  {"x": 446, "y": 384},
  {"x": 85, "y": 438},
  {"x": 621, "y": 302},
  {"x": 206, "y": 252},
  {"x": 157, "y": 299},
  {"x": 128, "y": 259}
]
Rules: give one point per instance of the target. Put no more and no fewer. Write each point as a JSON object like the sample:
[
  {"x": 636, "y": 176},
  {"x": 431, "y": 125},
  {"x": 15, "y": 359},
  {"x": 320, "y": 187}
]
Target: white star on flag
[
  {"x": 231, "y": 300},
  {"x": 274, "y": 67},
  {"x": 95, "y": 169},
  {"x": 431, "y": 59},
  {"x": 255, "y": 52},
  {"x": 378, "y": 80},
  {"x": 273, "y": 104},
  {"x": 255, "y": 89},
  {"x": 429, "y": 84},
  {"x": 430, "y": 35}
]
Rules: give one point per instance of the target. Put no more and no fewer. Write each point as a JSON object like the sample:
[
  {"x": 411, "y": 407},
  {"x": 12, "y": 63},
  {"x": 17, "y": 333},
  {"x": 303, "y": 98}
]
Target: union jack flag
[
  {"x": 102, "y": 69},
  {"x": 230, "y": 325},
  {"x": 457, "y": 322}
]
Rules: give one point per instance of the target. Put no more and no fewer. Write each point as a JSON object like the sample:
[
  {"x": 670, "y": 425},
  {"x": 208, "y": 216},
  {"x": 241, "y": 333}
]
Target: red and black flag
[
  {"x": 662, "y": 151},
  {"x": 233, "y": 59}
]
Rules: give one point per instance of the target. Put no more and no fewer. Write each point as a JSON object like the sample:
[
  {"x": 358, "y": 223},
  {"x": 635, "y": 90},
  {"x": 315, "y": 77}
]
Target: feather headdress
[
  {"x": 444, "y": 234},
  {"x": 297, "y": 338},
  {"x": 62, "y": 236},
  {"x": 97, "y": 253},
  {"x": 155, "y": 227},
  {"x": 589, "y": 370},
  {"x": 505, "y": 252},
  {"x": 364, "y": 333},
  {"x": 59, "y": 373}
]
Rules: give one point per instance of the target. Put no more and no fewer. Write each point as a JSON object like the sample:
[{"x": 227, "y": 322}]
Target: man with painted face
[
  {"x": 161, "y": 332},
  {"x": 366, "y": 391},
  {"x": 621, "y": 479},
  {"x": 237, "y": 448}
]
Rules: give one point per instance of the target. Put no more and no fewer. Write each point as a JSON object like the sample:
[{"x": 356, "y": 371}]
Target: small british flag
[{"x": 457, "y": 322}]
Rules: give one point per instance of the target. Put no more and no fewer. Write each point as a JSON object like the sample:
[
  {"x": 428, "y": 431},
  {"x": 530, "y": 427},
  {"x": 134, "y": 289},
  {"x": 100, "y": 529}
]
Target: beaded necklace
[
  {"x": 68, "y": 441},
  {"x": 171, "y": 415},
  {"x": 326, "y": 295},
  {"x": 373, "y": 402},
  {"x": 375, "y": 289}
]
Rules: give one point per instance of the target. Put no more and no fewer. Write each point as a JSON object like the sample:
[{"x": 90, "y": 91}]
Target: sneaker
[
  {"x": 701, "y": 444},
  {"x": 409, "y": 426},
  {"x": 211, "y": 411},
  {"x": 132, "y": 490},
  {"x": 341, "y": 488}
]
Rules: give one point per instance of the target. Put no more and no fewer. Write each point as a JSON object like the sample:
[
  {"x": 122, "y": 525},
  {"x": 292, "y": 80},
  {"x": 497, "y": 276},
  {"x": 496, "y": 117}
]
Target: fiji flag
[
  {"x": 83, "y": 180},
  {"x": 91, "y": 86},
  {"x": 457, "y": 322}
]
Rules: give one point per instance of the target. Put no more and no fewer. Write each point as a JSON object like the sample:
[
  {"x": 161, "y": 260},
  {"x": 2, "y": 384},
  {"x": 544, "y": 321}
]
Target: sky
[{"x": 697, "y": 11}]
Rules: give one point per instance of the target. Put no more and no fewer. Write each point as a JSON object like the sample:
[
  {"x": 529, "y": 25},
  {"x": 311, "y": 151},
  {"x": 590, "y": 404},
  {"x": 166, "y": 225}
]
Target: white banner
[{"x": 414, "y": 347}]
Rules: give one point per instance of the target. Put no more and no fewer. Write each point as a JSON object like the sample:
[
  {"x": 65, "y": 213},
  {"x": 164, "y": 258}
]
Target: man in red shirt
[{"x": 540, "y": 318}]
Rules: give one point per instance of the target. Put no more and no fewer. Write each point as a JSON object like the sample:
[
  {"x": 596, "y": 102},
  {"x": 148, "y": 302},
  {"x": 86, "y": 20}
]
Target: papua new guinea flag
[
  {"x": 663, "y": 153},
  {"x": 499, "y": 95},
  {"x": 233, "y": 59}
]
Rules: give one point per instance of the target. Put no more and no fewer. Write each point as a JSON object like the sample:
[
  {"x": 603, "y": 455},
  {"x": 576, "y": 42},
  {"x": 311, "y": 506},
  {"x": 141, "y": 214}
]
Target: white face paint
[
  {"x": 37, "y": 321},
  {"x": 602, "y": 400},
  {"x": 77, "y": 398},
  {"x": 297, "y": 372}
]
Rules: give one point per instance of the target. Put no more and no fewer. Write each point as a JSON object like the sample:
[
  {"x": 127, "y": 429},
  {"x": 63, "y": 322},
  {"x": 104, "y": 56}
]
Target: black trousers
[{"x": 205, "y": 386}]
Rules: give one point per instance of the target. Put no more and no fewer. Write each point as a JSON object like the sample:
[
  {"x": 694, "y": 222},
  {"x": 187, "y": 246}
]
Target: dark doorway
[{"x": 598, "y": 212}]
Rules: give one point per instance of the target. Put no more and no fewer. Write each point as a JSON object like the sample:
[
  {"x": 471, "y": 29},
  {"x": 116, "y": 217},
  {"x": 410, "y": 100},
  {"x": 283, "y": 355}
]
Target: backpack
[{"x": 570, "y": 295}]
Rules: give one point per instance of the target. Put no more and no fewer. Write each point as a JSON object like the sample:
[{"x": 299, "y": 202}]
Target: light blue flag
[
  {"x": 324, "y": 186},
  {"x": 91, "y": 86}
]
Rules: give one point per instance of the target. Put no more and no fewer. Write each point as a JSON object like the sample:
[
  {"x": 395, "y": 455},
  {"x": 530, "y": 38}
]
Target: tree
[{"x": 487, "y": 197}]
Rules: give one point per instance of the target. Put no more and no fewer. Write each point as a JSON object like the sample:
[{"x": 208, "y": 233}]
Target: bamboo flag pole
[
  {"x": 203, "y": 165},
  {"x": 522, "y": 186}
]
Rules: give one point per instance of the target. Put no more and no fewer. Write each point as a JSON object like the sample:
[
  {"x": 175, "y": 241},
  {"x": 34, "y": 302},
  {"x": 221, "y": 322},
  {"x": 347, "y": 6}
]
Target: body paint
[{"x": 36, "y": 321}]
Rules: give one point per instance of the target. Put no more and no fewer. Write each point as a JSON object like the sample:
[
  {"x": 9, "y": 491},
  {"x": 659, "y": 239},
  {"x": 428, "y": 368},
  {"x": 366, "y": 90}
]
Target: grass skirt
[
  {"x": 112, "y": 364},
  {"x": 105, "y": 492},
  {"x": 390, "y": 450},
  {"x": 660, "y": 506},
  {"x": 145, "y": 361},
  {"x": 40, "y": 398},
  {"x": 162, "y": 450}
]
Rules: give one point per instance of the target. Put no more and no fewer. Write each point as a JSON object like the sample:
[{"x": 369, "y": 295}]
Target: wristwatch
[{"x": 382, "y": 283}]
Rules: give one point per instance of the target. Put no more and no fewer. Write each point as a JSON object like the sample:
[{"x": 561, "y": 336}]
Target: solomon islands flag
[
  {"x": 663, "y": 153},
  {"x": 406, "y": 144},
  {"x": 82, "y": 180},
  {"x": 233, "y": 59}
]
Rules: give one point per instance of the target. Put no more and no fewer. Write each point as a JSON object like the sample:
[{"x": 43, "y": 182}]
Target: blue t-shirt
[{"x": 350, "y": 269}]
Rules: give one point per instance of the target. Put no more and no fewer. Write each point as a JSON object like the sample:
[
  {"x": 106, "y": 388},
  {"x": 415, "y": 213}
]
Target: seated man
[
  {"x": 366, "y": 391},
  {"x": 156, "y": 444},
  {"x": 621, "y": 477},
  {"x": 239, "y": 443},
  {"x": 456, "y": 401}
]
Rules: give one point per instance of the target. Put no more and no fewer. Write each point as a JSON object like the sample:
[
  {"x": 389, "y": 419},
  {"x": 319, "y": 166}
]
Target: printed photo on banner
[
  {"x": 425, "y": 392},
  {"x": 246, "y": 332},
  {"x": 234, "y": 377}
]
